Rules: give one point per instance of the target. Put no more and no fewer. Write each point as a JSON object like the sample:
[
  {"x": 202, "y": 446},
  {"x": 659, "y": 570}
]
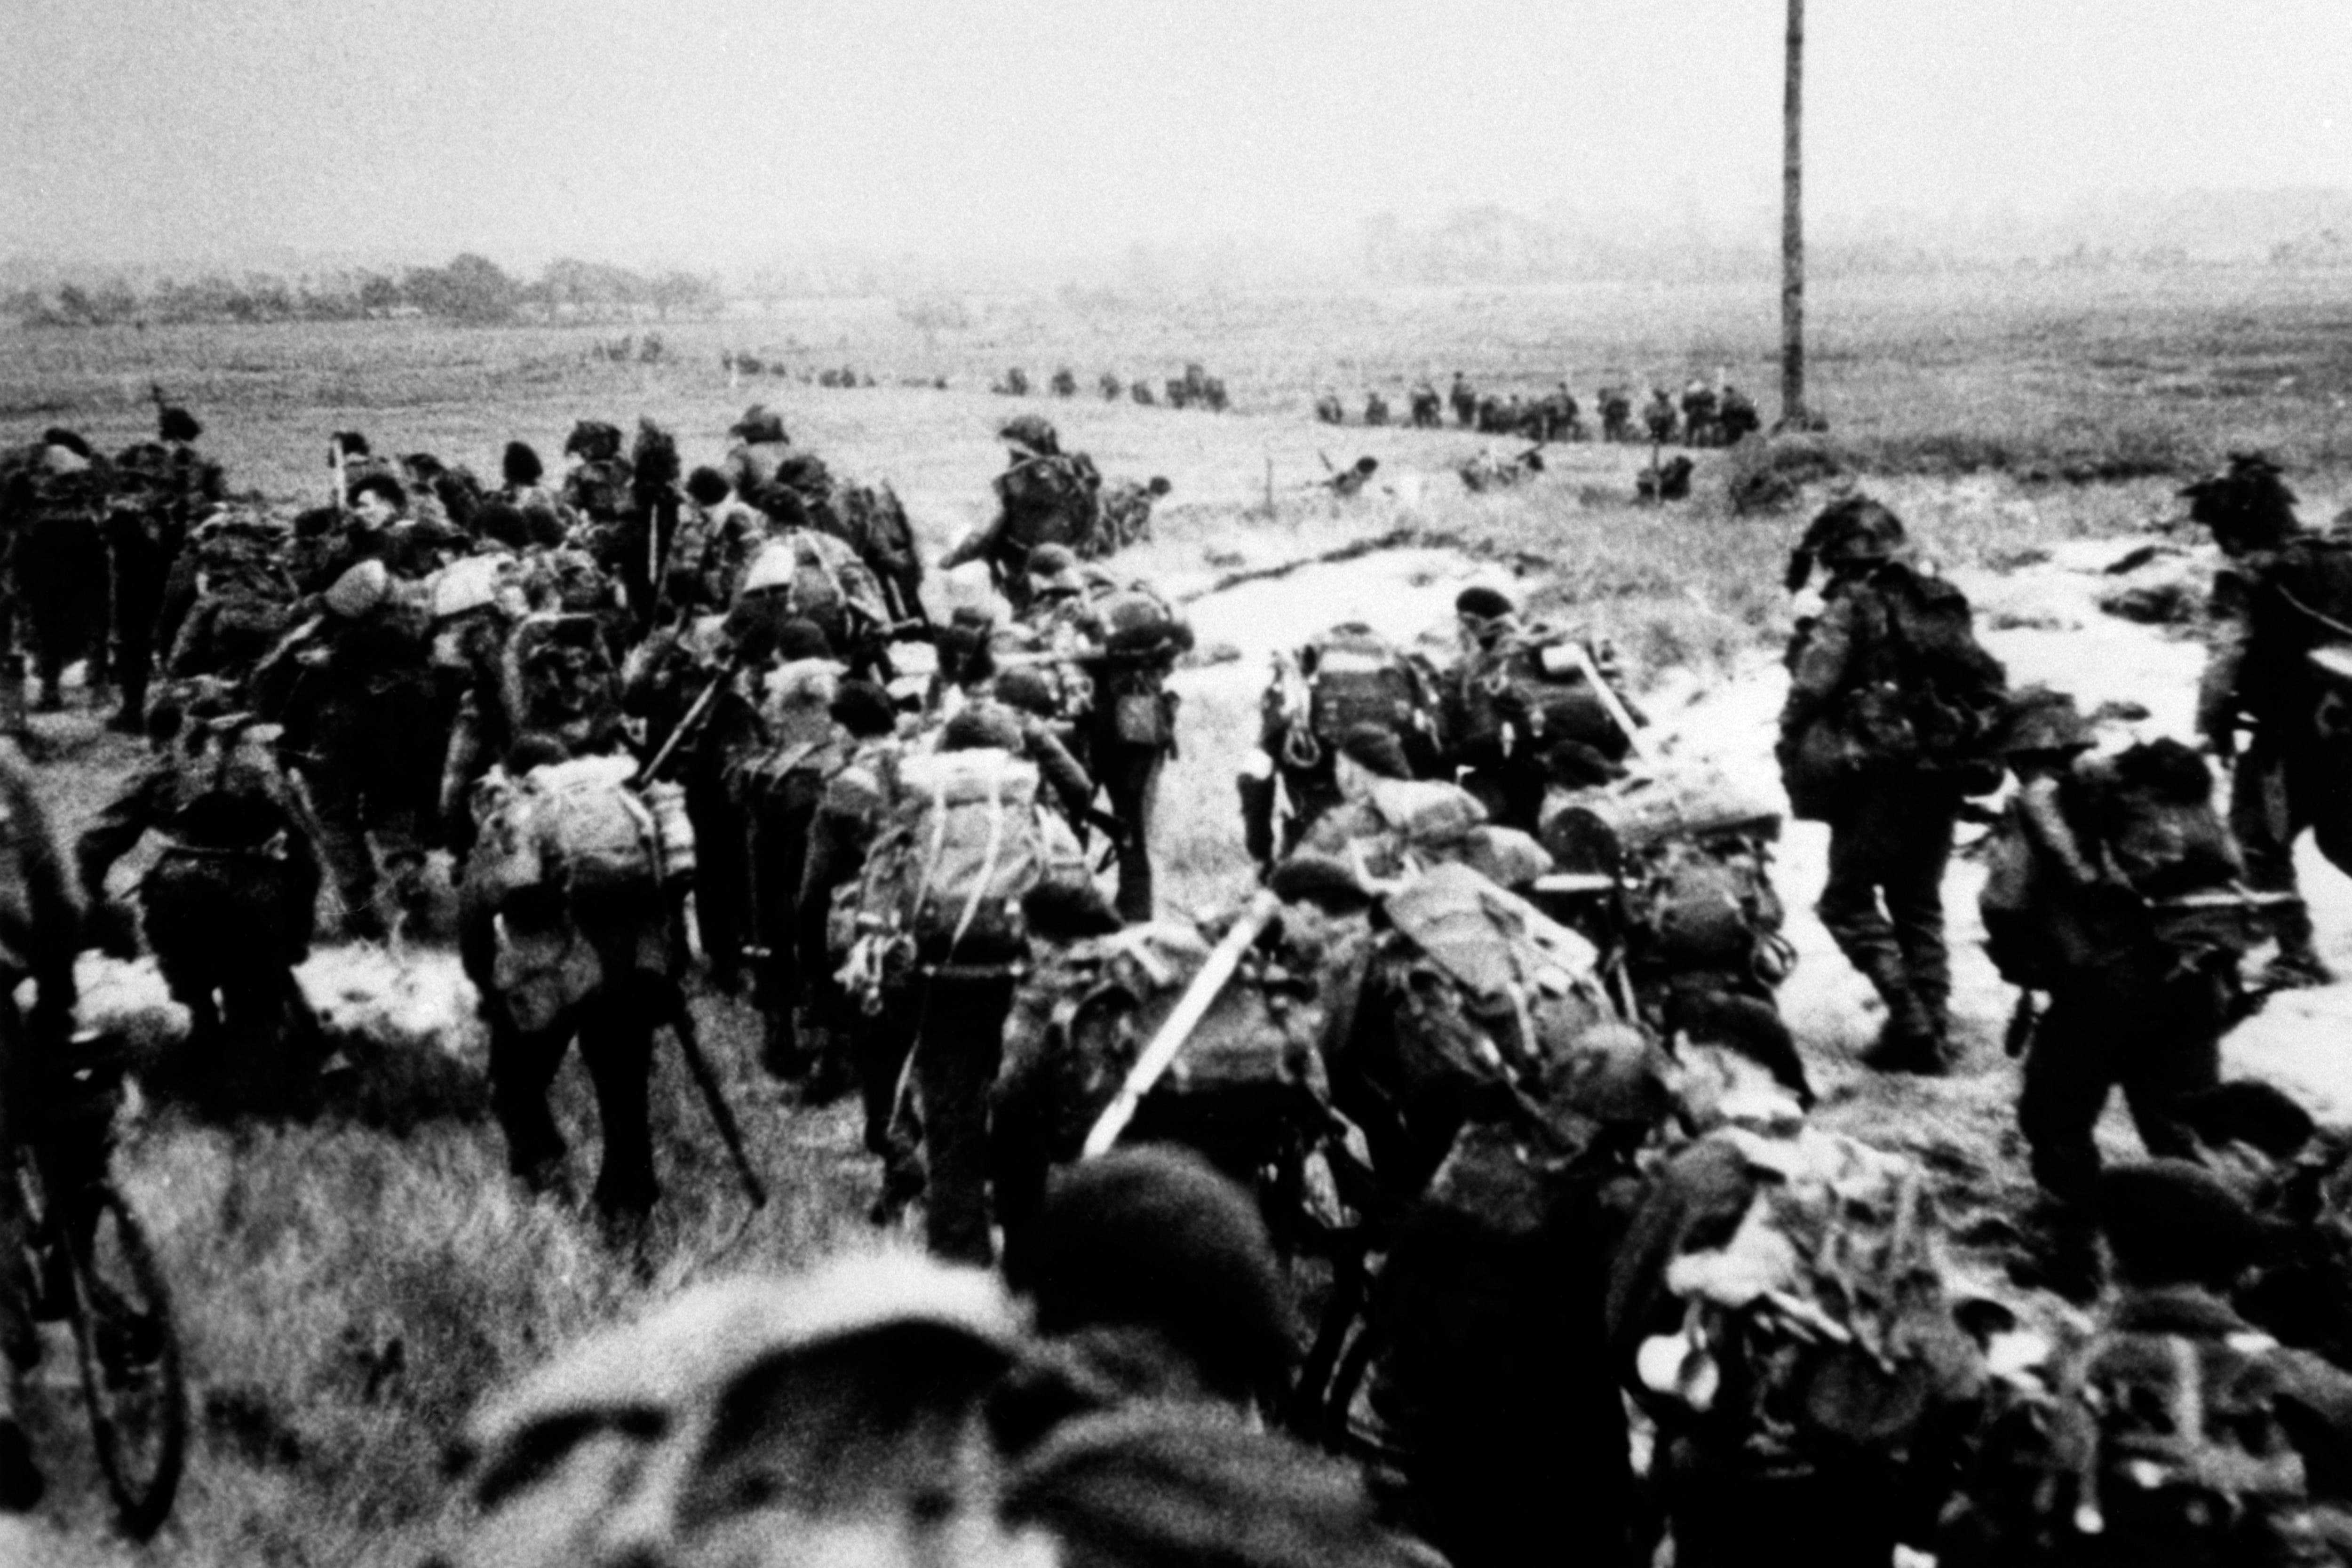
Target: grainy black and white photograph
[{"x": 1256, "y": 783}]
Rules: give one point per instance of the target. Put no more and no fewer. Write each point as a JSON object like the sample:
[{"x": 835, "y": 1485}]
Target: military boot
[
  {"x": 1910, "y": 1041},
  {"x": 2297, "y": 965}
]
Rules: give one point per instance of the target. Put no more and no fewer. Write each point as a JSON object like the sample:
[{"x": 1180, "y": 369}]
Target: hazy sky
[{"x": 711, "y": 133}]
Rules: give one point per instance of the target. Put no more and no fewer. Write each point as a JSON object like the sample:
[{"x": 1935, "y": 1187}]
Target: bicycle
[{"x": 90, "y": 1262}]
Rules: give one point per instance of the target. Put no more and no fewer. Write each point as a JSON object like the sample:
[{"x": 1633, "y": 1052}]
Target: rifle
[
  {"x": 684, "y": 728},
  {"x": 1619, "y": 714},
  {"x": 1161, "y": 1053},
  {"x": 722, "y": 1115}
]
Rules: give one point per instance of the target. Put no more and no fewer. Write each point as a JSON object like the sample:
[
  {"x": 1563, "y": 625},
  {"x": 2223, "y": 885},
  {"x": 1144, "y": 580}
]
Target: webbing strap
[{"x": 988, "y": 858}]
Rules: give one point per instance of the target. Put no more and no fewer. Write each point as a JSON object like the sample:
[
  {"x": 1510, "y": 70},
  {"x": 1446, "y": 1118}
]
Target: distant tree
[
  {"x": 472, "y": 289},
  {"x": 379, "y": 294},
  {"x": 676, "y": 290}
]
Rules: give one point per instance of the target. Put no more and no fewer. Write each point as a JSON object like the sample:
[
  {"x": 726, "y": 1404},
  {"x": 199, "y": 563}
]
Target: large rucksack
[
  {"x": 970, "y": 838},
  {"x": 583, "y": 828},
  {"x": 1245, "y": 1090},
  {"x": 2141, "y": 1447},
  {"x": 1470, "y": 995},
  {"x": 821, "y": 579},
  {"x": 556, "y": 677},
  {"x": 1352, "y": 676},
  {"x": 1049, "y": 500},
  {"x": 1925, "y": 694},
  {"x": 1821, "y": 1324},
  {"x": 1532, "y": 686}
]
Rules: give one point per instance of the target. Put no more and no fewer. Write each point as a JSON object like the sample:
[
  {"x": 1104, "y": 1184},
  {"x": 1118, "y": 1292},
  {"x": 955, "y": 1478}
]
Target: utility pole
[{"x": 1792, "y": 228}]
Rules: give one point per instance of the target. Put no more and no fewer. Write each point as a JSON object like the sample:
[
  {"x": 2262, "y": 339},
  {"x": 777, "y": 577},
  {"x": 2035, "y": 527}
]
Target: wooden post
[{"x": 1792, "y": 228}]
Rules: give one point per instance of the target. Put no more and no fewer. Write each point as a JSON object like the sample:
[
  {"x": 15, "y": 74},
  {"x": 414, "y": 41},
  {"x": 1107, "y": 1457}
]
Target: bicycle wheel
[{"x": 131, "y": 1375}]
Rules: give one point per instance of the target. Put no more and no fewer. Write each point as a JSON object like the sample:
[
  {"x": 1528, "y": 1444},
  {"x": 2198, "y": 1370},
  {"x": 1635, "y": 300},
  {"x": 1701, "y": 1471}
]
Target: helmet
[
  {"x": 1854, "y": 531},
  {"x": 1033, "y": 432},
  {"x": 759, "y": 423},
  {"x": 1613, "y": 1073},
  {"x": 1863, "y": 530},
  {"x": 359, "y": 590},
  {"x": 2041, "y": 720},
  {"x": 2247, "y": 504}
]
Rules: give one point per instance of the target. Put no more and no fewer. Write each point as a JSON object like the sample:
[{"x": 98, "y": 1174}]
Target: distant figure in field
[{"x": 1464, "y": 401}]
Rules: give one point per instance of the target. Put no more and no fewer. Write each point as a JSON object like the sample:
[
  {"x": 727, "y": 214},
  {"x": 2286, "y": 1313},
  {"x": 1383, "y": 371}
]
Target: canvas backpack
[
  {"x": 1924, "y": 692},
  {"x": 2145, "y": 1447},
  {"x": 558, "y": 678},
  {"x": 600, "y": 836},
  {"x": 1532, "y": 687},
  {"x": 1706, "y": 906},
  {"x": 969, "y": 839},
  {"x": 1086, "y": 1012},
  {"x": 1050, "y": 501},
  {"x": 1822, "y": 1323},
  {"x": 1352, "y": 676}
]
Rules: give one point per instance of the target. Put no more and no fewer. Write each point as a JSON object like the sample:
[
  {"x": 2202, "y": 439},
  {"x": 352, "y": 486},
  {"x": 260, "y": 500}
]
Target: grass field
[{"x": 305, "y": 1256}]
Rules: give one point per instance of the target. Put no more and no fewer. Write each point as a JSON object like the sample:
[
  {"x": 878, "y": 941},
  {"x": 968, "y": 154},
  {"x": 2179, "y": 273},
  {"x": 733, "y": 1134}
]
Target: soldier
[
  {"x": 1376, "y": 408},
  {"x": 1112, "y": 386},
  {"x": 760, "y": 448},
  {"x": 1698, "y": 414},
  {"x": 2177, "y": 1433},
  {"x": 718, "y": 536},
  {"x": 1737, "y": 418},
  {"x": 849, "y": 815},
  {"x": 1328, "y": 409},
  {"x": 54, "y": 509},
  {"x": 228, "y": 904},
  {"x": 361, "y": 717},
  {"x": 1066, "y": 382},
  {"x": 1043, "y": 497},
  {"x": 1887, "y": 725},
  {"x": 541, "y": 509},
  {"x": 1485, "y": 618},
  {"x": 2133, "y": 1002},
  {"x": 1464, "y": 401},
  {"x": 1128, "y": 640},
  {"x": 2272, "y": 579},
  {"x": 40, "y": 930},
  {"x": 1659, "y": 417},
  {"x": 1349, "y": 482},
  {"x": 1143, "y": 395},
  {"x": 1428, "y": 408},
  {"x": 1492, "y": 1309},
  {"x": 144, "y": 539},
  {"x": 1127, "y": 512},
  {"x": 1616, "y": 414},
  {"x": 1349, "y": 678},
  {"x": 231, "y": 600}
]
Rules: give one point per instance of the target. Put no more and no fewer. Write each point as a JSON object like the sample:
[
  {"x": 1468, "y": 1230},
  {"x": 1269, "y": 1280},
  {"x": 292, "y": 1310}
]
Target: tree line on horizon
[{"x": 470, "y": 289}]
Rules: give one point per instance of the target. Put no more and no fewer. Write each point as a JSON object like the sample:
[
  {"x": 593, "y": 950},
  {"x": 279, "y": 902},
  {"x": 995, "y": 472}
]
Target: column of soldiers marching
[{"x": 1491, "y": 1055}]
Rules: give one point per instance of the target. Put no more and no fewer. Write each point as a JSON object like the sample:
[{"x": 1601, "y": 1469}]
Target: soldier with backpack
[
  {"x": 1348, "y": 677},
  {"x": 568, "y": 924},
  {"x": 228, "y": 904},
  {"x": 2138, "y": 998},
  {"x": 1126, "y": 635},
  {"x": 360, "y": 719},
  {"x": 1045, "y": 496},
  {"x": 1518, "y": 692},
  {"x": 2283, "y": 593},
  {"x": 1782, "y": 1307},
  {"x": 2175, "y": 1434},
  {"x": 944, "y": 903},
  {"x": 1887, "y": 726}
]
